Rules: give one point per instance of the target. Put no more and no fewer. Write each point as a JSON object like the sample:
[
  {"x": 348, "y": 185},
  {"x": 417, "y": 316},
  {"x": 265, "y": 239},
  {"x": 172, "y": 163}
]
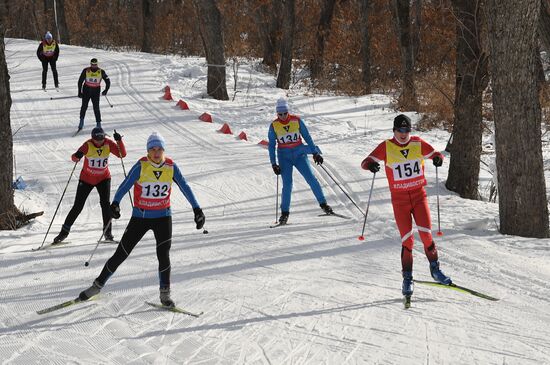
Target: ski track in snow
[{"x": 308, "y": 293}]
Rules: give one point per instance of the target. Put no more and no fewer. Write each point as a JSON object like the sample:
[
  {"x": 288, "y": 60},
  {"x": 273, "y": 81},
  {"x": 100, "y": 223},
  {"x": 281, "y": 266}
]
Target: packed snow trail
[{"x": 307, "y": 293}]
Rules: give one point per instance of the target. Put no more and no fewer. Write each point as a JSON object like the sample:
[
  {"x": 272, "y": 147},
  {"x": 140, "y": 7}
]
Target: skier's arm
[
  {"x": 272, "y": 137},
  {"x": 56, "y": 52},
  {"x": 128, "y": 182},
  {"x": 118, "y": 148},
  {"x": 82, "y": 149},
  {"x": 184, "y": 187},
  {"x": 107, "y": 80},
  {"x": 428, "y": 151},
  {"x": 378, "y": 155},
  {"x": 305, "y": 133},
  {"x": 39, "y": 52},
  {"x": 81, "y": 80}
]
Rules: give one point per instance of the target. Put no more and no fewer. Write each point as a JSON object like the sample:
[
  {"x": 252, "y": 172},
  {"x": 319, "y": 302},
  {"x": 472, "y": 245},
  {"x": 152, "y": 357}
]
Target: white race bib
[
  {"x": 155, "y": 190},
  {"x": 406, "y": 170}
]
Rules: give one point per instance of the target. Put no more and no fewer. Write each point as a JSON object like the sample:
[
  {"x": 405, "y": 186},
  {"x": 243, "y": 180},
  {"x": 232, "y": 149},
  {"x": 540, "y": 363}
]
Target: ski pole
[
  {"x": 124, "y": 171},
  {"x": 58, "y": 204},
  {"x": 337, "y": 184},
  {"x": 362, "y": 236},
  {"x": 63, "y": 97},
  {"x": 439, "y": 233},
  {"x": 98, "y": 241},
  {"x": 277, "y": 202},
  {"x": 106, "y": 98}
]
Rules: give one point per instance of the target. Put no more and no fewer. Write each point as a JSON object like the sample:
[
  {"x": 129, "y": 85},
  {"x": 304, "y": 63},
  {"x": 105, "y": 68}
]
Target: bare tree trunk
[
  {"x": 521, "y": 186},
  {"x": 6, "y": 162},
  {"x": 323, "y": 32},
  {"x": 62, "y": 29},
  {"x": 365, "y": 46},
  {"x": 268, "y": 19},
  {"x": 544, "y": 25},
  {"x": 407, "y": 100},
  {"x": 416, "y": 29},
  {"x": 289, "y": 21},
  {"x": 471, "y": 80},
  {"x": 148, "y": 25},
  {"x": 210, "y": 25}
]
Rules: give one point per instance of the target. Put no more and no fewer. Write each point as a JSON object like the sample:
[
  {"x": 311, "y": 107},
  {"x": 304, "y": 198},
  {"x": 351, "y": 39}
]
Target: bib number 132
[
  {"x": 155, "y": 190},
  {"x": 406, "y": 170}
]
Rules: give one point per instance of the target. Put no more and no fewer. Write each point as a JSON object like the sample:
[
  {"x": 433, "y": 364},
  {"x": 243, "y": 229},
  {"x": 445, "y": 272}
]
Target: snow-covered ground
[{"x": 309, "y": 293}]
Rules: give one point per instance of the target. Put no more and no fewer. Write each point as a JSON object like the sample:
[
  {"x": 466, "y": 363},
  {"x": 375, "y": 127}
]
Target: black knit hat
[{"x": 402, "y": 121}]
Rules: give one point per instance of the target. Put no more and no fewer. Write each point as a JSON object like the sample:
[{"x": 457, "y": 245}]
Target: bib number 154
[{"x": 406, "y": 170}]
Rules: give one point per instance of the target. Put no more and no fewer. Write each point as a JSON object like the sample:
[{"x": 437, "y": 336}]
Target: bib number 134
[{"x": 406, "y": 170}]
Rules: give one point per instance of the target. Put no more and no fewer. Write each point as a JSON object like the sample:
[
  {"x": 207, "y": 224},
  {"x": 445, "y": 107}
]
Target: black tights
[
  {"x": 82, "y": 192},
  {"x": 137, "y": 227}
]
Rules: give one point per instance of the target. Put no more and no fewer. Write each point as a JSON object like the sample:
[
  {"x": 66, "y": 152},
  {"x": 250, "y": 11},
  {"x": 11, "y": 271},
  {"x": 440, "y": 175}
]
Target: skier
[
  {"x": 48, "y": 53},
  {"x": 404, "y": 156},
  {"x": 95, "y": 173},
  {"x": 91, "y": 78},
  {"x": 152, "y": 178},
  {"x": 287, "y": 131}
]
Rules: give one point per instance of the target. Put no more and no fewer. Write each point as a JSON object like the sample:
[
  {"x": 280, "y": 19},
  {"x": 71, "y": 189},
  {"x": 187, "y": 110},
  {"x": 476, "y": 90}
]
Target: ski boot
[
  {"x": 91, "y": 291},
  {"x": 61, "y": 236},
  {"x": 407, "y": 288},
  {"x": 44, "y": 87},
  {"x": 284, "y": 218},
  {"x": 165, "y": 299},
  {"x": 438, "y": 275},
  {"x": 326, "y": 208}
]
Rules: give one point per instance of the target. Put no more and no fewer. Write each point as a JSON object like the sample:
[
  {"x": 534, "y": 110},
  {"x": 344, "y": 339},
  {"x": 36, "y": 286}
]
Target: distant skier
[
  {"x": 404, "y": 156},
  {"x": 48, "y": 53},
  {"x": 95, "y": 173},
  {"x": 152, "y": 178},
  {"x": 89, "y": 87},
  {"x": 287, "y": 131}
]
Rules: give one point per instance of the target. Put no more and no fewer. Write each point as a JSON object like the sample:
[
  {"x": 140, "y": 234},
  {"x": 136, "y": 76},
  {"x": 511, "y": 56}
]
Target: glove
[
  {"x": 104, "y": 92},
  {"x": 79, "y": 154},
  {"x": 115, "y": 210},
  {"x": 276, "y": 169},
  {"x": 374, "y": 167},
  {"x": 438, "y": 161},
  {"x": 318, "y": 159},
  {"x": 80, "y": 94},
  {"x": 117, "y": 136},
  {"x": 199, "y": 217}
]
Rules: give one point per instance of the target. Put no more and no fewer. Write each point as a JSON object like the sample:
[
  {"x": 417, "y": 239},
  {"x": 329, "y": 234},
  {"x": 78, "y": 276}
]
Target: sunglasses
[
  {"x": 403, "y": 130},
  {"x": 282, "y": 114}
]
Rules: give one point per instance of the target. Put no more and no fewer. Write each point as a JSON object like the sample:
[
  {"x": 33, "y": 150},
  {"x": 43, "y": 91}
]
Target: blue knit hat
[
  {"x": 48, "y": 36},
  {"x": 155, "y": 140},
  {"x": 282, "y": 106}
]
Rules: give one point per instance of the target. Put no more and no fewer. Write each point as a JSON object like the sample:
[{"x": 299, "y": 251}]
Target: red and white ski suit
[{"x": 404, "y": 164}]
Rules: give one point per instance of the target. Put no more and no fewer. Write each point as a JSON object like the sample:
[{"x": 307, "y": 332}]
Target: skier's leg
[
  {"x": 104, "y": 190},
  {"x": 54, "y": 72},
  {"x": 82, "y": 192},
  {"x": 85, "y": 102},
  {"x": 302, "y": 165},
  {"x": 286, "y": 174},
  {"x": 403, "y": 219},
  {"x": 97, "y": 112},
  {"x": 421, "y": 214},
  {"x": 162, "y": 228},
  {"x": 44, "y": 73},
  {"x": 136, "y": 229}
]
